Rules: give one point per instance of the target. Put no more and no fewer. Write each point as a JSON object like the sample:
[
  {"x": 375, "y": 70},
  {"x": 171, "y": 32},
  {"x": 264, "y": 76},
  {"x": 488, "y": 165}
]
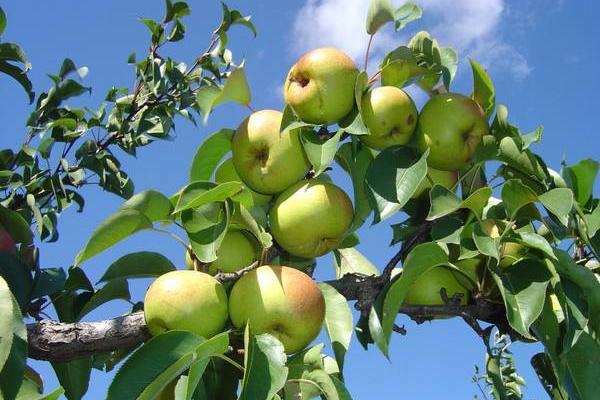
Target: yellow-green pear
[
  {"x": 311, "y": 218},
  {"x": 436, "y": 177},
  {"x": 426, "y": 289},
  {"x": 237, "y": 250},
  {"x": 268, "y": 161},
  {"x": 186, "y": 300},
  {"x": 320, "y": 86},
  {"x": 390, "y": 116},
  {"x": 451, "y": 127},
  {"x": 227, "y": 173},
  {"x": 280, "y": 301}
]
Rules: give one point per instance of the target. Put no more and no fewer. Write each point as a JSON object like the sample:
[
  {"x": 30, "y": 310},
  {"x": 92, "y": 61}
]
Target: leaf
[
  {"x": 536, "y": 241},
  {"x": 351, "y": 261},
  {"x": 74, "y": 376},
  {"x": 393, "y": 178},
  {"x": 406, "y": 13},
  {"x": 115, "y": 228},
  {"x": 523, "y": 287},
  {"x": 12, "y": 324},
  {"x": 338, "y": 322},
  {"x": 583, "y": 365},
  {"x": 235, "y": 89},
  {"x": 544, "y": 370},
  {"x": 483, "y": 89},
  {"x": 356, "y": 165},
  {"x": 2, "y": 21},
  {"x": 115, "y": 289},
  {"x": 16, "y": 225},
  {"x": 444, "y": 202},
  {"x": 380, "y": 13},
  {"x": 151, "y": 203},
  {"x": 422, "y": 258},
  {"x": 581, "y": 179},
  {"x": 20, "y": 76},
  {"x": 17, "y": 276},
  {"x": 559, "y": 202},
  {"x": 142, "y": 264},
  {"x": 48, "y": 281},
  {"x": 320, "y": 154},
  {"x": 265, "y": 372},
  {"x": 206, "y": 225},
  {"x": 218, "y": 193},
  {"x": 485, "y": 243},
  {"x": 210, "y": 153},
  {"x": 150, "y": 361},
  {"x": 515, "y": 195}
]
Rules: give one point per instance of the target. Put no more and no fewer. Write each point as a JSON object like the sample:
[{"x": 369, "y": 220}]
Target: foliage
[{"x": 550, "y": 293}]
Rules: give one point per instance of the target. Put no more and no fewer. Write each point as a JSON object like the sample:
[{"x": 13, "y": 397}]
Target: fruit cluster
[{"x": 309, "y": 217}]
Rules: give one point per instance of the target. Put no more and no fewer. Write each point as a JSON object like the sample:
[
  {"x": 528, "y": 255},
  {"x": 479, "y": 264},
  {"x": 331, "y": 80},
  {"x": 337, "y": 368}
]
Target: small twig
[{"x": 367, "y": 52}]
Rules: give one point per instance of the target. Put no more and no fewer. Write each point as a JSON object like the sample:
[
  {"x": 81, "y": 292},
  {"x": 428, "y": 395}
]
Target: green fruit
[
  {"x": 445, "y": 178},
  {"x": 266, "y": 160},
  {"x": 511, "y": 253},
  {"x": 390, "y": 115},
  {"x": 426, "y": 289},
  {"x": 320, "y": 86},
  {"x": 227, "y": 173},
  {"x": 451, "y": 126},
  {"x": 281, "y": 301},
  {"x": 473, "y": 268},
  {"x": 311, "y": 218},
  {"x": 186, "y": 300},
  {"x": 237, "y": 250}
]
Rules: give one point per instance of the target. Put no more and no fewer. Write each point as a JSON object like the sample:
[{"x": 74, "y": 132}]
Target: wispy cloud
[{"x": 472, "y": 27}]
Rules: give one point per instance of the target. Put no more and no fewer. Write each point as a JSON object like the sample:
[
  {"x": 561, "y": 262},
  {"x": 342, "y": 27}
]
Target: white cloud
[{"x": 472, "y": 27}]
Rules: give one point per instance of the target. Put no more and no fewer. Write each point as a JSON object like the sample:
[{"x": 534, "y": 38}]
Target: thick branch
[{"x": 55, "y": 341}]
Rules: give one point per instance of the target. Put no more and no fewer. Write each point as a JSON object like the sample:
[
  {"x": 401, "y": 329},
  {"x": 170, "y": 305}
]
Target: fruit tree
[{"x": 483, "y": 230}]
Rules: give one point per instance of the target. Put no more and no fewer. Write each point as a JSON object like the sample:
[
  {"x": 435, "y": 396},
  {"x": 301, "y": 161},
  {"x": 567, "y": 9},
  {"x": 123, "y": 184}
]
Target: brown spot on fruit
[{"x": 410, "y": 120}]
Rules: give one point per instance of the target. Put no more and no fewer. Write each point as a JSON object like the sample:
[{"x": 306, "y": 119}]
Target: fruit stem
[{"x": 367, "y": 52}]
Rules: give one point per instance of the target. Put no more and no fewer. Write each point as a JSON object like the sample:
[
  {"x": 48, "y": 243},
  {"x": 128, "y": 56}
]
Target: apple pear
[
  {"x": 7, "y": 244},
  {"x": 227, "y": 173},
  {"x": 436, "y": 177},
  {"x": 390, "y": 115},
  {"x": 511, "y": 253},
  {"x": 268, "y": 161},
  {"x": 320, "y": 86},
  {"x": 310, "y": 218},
  {"x": 451, "y": 126},
  {"x": 281, "y": 301},
  {"x": 238, "y": 250},
  {"x": 426, "y": 289},
  {"x": 186, "y": 300}
]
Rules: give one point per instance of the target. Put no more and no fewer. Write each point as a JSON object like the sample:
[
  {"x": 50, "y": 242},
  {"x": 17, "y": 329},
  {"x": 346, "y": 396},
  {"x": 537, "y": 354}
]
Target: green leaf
[
  {"x": 351, "y": 261},
  {"x": 356, "y": 165},
  {"x": 523, "y": 287},
  {"x": 583, "y": 365},
  {"x": 18, "y": 75},
  {"x": 559, "y": 202},
  {"x": 515, "y": 195},
  {"x": 115, "y": 289},
  {"x": 393, "y": 178},
  {"x": 206, "y": 225},
  {"x": 406, "y": 13},
  {"x": 581, "y": 178},
  {"x": 338, "y": 322},
  {"x": 483, "y": 89},
  {"x": 12, "y": 325},
  {"x": 265, "y": 372},
  {"x": 235, "y": 89},
  {"x": 320, "y": 154},
  {"x": 16, "y": 225},
  {"x": 17, "y": 276},
  {"x": 210, "y": 153},
  {"x": 115, "y": 228},
  {"x": 142, "y": 264},
  {"x": 536, "y": 241},
  {"x": 544, "y": 370},
  {"x": 48, "y": 281},
  {"x": 380, "y": 13},
  {"x": 151, "y": 203},
  {"x": 219, "y": 193},
  {"x": 422, "y": 258},
  {"x": 74, "y": 376},
  {"x": 486, "y": 244},
  {"x": 220, "y": 381},
  {"x": 445, "y": 202},
  {"x": 145, "y": 365},
  {"x": 2, "y": 21}
]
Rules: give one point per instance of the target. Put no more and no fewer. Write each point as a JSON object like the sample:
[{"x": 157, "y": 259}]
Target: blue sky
[{"x": 542, "y": 55}]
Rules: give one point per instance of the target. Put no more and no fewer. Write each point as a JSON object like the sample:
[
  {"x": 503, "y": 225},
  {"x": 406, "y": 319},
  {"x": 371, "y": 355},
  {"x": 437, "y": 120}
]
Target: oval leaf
[{"x": 142, "y": 264}]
